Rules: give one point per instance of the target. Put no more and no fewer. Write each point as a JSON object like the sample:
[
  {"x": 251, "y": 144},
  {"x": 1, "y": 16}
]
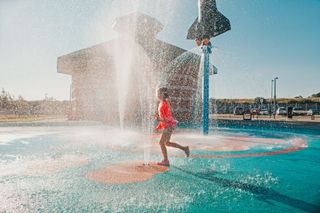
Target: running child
[{"x": 167, "y": 124}]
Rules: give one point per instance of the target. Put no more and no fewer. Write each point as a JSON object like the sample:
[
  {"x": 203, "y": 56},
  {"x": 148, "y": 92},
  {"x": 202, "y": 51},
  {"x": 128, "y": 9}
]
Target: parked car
[
  {"x": 238, "y": 111},
  {"x": 264, "y": 112},
  {"x": 313, "y": 112},
  {"x": 299, "y": 111},
  {"x": 281, "y": 111},
  {"x": 255, "y": 111}
]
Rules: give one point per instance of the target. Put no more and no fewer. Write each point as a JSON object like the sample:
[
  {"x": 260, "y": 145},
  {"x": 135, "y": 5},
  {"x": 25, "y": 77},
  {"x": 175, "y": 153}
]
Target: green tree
[
  {"x": 317, "y": 95},
  {"x": 260, "y": 100}
]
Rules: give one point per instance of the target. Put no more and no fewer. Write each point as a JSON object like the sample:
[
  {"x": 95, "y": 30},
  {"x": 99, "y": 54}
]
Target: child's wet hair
[{"x": 164, "y": 92}]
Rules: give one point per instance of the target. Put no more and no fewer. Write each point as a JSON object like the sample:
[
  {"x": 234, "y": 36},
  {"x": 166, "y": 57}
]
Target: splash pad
[
  {"x": 202, "y": 147},
  {"x": 54, "y": 167}
]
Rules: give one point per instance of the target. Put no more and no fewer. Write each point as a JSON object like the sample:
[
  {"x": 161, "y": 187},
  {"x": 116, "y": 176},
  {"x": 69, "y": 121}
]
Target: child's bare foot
[
  {"x": 187, "y": 151},
  {"x": 164, "y": 163}
]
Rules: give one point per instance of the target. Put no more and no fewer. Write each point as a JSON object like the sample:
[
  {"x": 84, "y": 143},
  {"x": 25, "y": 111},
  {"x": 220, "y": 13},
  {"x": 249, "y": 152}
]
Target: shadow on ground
[{"x": 262, "y": 193}]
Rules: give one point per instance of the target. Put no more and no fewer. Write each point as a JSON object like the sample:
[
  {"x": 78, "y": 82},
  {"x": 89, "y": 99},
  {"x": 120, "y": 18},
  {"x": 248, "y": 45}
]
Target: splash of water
[
  {"x": 184, "y": 69},
  {"x": 135, "y": 76},
  {"x": 135, "y": 80}
]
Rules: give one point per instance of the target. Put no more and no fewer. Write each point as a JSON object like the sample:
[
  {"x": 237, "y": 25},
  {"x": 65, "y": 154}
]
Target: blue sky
[{"x": 269, "y": 38}]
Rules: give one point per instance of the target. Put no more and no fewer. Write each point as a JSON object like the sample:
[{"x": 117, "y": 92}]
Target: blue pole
[{"x": 206, "y": 50}]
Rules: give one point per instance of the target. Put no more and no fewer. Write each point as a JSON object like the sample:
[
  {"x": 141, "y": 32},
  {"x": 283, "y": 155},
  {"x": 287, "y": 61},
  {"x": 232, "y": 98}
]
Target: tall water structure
[
  {"x": 210, "y": 23},
  {"x": 135, "y": 78}
]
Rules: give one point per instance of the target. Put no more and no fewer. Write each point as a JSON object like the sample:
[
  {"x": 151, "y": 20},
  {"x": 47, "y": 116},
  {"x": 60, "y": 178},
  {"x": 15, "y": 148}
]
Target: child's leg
[
  {"x": 175, "y": 145},
  {"x": 168, "y": 133},
  {"x": 162, "y": 143},
  {"x": 183, "y": 148}
]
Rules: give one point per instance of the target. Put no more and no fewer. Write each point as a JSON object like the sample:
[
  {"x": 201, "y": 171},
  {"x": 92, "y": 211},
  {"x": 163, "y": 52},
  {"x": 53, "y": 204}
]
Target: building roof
[
  {"x": 140, "y": 27},
  {"x": 137, "y": 24}
]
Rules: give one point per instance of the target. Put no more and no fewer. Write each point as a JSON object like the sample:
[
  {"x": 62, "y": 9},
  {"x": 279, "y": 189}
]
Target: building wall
[{"x": 95, "y": 89}]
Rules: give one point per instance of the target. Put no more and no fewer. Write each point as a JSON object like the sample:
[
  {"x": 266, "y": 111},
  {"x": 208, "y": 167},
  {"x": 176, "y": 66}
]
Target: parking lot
[{"x": 267, "y": 117}]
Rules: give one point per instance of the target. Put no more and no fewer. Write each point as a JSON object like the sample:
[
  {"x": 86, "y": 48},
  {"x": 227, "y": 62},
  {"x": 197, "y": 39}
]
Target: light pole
[
  {"x": 275, "y": 95},
  {"x": 270, "y": 104}
]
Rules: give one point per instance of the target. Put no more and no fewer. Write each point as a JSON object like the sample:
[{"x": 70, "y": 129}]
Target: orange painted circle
[
  {"x": 126, "y": 172},
  {"x": 297, "y": 145}
]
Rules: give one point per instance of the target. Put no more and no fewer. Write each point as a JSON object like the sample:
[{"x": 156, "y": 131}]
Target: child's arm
[{"x": 160, "y": 119}]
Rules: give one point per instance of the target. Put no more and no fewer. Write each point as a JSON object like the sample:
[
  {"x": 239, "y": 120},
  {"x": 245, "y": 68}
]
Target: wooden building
[{"x": 95, "y": 73}]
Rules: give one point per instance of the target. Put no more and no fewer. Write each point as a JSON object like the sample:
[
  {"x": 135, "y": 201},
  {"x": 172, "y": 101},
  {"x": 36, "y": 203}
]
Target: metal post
[
  {"x": 206, "y": 50},
  {"x": 275, "y": 95},
  {"x": 271, "y": 98}
]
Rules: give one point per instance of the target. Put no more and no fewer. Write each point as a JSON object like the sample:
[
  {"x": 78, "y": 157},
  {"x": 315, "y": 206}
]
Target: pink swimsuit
[{"x": 165, "y": 114}]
